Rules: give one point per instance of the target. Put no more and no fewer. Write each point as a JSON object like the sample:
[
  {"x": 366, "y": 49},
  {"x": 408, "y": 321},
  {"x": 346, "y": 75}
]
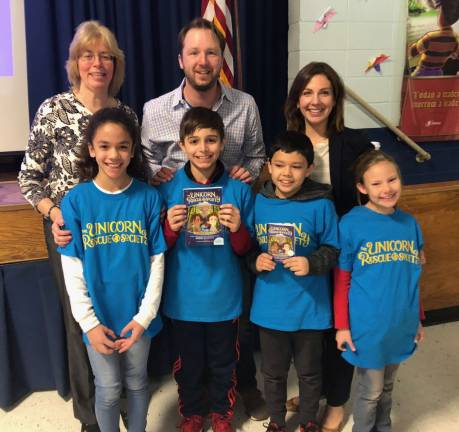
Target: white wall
[
  {"x": 361, "y": 30},
  {"x": 14, "y": 110}
]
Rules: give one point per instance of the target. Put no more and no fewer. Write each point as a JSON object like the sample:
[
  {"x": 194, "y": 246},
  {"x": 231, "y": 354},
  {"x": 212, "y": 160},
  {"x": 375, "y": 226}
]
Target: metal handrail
[{"x": 421, "y": 156}]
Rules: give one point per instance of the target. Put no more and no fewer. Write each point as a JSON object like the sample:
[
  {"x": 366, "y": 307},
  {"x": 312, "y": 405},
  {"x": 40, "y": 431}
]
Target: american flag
[{"x": 219, "y": 11}]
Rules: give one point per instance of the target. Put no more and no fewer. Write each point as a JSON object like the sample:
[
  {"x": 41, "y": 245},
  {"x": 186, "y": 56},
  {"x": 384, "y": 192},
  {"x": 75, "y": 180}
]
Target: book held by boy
[
  {"x": 281, "y": 241},
  {"x": 202, "y": 226}
]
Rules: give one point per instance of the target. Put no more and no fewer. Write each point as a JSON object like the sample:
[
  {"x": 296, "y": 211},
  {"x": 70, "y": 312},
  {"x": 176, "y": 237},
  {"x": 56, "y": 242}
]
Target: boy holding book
[
  {"x": 203, "y": 283},
  {"x": 291, "y": 303}
]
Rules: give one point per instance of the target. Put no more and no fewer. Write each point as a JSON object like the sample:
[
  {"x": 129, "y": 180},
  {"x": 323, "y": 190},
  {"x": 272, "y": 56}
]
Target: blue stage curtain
[
  {"x": 264, "y": 50},
  {"x": 147, "y": 32},
  {"x": 33, "y": 354}
]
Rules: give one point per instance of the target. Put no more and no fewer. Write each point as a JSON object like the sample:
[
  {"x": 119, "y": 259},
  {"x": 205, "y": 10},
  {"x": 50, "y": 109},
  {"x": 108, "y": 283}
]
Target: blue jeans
[
  {"x": 111, "y": 373},
  {"x": 373, "y": 399}
]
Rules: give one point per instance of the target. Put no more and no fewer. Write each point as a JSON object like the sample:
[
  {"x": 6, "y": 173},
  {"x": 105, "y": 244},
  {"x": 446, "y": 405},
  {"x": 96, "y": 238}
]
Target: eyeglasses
[{"x": 89, "y": 57}]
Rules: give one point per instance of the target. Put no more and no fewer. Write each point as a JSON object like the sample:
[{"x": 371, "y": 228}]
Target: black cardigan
[{"x": 345, "y": 147}]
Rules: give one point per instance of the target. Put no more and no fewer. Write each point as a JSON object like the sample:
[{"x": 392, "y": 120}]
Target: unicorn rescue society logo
[
  {"x": 388, "y": 251},
  {"x": 104, "y": 233}
]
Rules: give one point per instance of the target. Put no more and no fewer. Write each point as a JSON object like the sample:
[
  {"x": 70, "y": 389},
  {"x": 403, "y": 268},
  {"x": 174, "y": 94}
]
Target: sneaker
[
  {"x": 274, "y": 427},
  {"x": 194, "y": 423},
  {"x": 89, "y": 427},
  {"x": 310, "y": 427},
  {"x": 254, "y": 404},
  {"x": 221, "y": 423}
]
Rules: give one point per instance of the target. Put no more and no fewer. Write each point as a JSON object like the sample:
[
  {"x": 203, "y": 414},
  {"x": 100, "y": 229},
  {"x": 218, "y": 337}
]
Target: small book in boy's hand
[
  {"x": 202, "y": 226},
  {"x": 281, "y": 241}
]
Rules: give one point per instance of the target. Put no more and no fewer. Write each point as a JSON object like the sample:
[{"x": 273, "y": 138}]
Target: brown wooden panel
[
  {"x": 21, "y": 234},
  {"x": 436, "y": 207}
]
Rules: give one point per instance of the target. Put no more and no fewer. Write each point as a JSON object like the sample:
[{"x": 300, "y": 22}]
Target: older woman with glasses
[{"x": 95, "y": 69}]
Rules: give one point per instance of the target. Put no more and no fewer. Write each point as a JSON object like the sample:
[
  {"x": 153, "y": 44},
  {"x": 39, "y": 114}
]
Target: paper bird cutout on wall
[
  {"x": 324, "y": 19},
  {"x": 376, "y": 63}
]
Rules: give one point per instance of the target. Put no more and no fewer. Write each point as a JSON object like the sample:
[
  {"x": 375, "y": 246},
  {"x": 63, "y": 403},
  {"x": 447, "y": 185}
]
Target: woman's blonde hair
[{"x": 88, "y": 33}]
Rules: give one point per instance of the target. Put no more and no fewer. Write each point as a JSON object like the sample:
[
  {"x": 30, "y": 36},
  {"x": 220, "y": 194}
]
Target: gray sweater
[{"x": 325, "y": 257}]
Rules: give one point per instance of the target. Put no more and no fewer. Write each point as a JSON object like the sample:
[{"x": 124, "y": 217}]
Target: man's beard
[{"x": 201, "y": 87}]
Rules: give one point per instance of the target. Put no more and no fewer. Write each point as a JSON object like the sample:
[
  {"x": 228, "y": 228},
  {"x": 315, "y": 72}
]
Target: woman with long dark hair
[{"x": 315, "y": 106}]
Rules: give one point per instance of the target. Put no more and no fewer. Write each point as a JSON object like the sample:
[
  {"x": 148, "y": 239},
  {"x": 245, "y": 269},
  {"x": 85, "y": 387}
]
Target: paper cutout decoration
[
  {"x": 376, "y": 62},
  {"x": 324, "y": 19}
]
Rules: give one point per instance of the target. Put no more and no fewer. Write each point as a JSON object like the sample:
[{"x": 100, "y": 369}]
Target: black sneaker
[
  {"x": 89, "y": 427},
  {"x": 254, "y": 404}
]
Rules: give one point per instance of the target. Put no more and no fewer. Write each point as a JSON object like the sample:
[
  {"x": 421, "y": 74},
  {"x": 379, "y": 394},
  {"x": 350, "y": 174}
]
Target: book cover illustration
[
  {"x": 281, "y": 241},
  {"x": 202, "y": 226}
]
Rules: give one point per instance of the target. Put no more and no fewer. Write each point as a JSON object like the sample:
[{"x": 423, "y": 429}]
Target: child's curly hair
[{"x": 87, "y": 166}]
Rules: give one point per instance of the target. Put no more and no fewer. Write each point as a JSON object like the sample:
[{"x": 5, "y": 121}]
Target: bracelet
[{"x": 48, "y": 215}]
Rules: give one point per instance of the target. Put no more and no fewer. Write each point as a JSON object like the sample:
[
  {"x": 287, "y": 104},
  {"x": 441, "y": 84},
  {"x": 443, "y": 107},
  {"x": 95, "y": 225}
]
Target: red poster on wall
[{"x": 431, "y": 108}]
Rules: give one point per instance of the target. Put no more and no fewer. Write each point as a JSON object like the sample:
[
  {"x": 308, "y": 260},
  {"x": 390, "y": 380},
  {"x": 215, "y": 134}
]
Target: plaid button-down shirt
[{"x": 244, "y": 139}]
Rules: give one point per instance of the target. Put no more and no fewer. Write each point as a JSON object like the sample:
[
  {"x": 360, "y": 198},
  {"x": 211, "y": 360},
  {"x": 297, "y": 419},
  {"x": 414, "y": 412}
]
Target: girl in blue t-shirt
[
  {"x": 377, "y": 307},
  {"x": 114, "y": 265}
]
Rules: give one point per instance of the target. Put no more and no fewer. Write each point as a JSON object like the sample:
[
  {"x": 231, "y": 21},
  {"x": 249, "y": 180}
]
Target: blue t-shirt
[
  {"x": 382, "y": 254},
  {"x": 283, "y": 301},
  {"x": 114, "y": 235},
  {"x": 204, "y": 283}
]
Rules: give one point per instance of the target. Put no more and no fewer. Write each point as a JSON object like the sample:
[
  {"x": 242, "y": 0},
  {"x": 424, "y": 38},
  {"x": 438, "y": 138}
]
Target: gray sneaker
[{"x": 254, "y": 404}]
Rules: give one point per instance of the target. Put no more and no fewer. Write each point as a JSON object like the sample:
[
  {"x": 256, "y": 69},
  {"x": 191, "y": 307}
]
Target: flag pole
[{"x": 240, "y": 83}]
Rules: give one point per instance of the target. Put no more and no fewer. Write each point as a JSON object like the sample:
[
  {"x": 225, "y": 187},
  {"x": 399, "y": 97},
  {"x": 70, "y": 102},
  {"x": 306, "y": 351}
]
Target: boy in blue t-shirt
[
  {"x": 203, "y": 282},
  {"x": 291, "y": 303}
]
